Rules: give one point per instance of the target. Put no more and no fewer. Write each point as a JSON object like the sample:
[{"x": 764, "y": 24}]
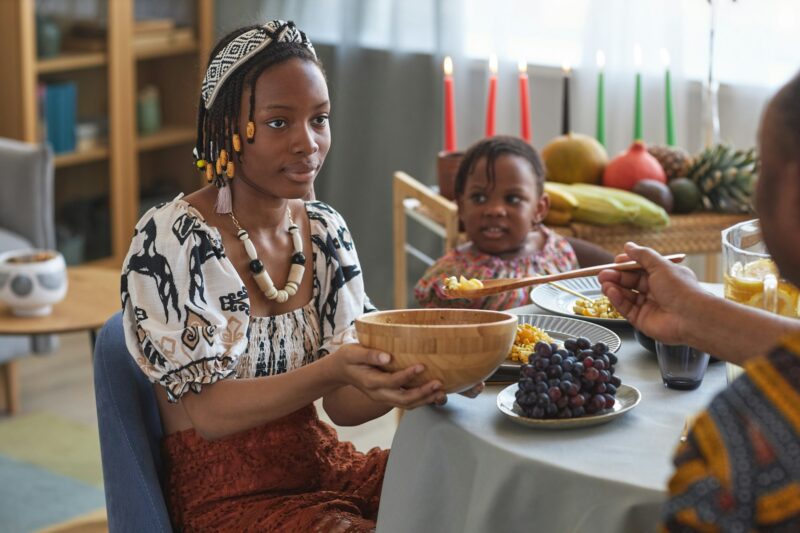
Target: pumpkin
[
  {"x": 574, "y": 158},
  {"x": 627, "y": 169}
]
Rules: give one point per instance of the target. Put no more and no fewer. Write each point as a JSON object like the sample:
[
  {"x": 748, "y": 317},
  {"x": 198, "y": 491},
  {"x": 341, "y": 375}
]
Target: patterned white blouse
[{"x": 186, "y": 312}]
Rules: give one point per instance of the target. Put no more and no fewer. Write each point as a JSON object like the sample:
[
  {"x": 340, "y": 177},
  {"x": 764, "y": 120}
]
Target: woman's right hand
[{"x": 363, "y": 368}]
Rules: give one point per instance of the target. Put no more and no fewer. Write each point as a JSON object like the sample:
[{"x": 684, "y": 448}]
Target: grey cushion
[
  {"x": 28, "y": 176},
  {"x": 12, "y": 241}
]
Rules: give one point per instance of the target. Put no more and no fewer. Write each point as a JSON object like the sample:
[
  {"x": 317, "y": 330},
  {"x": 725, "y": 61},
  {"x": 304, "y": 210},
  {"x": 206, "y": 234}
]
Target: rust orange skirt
[{"x": 292, "y": 474}]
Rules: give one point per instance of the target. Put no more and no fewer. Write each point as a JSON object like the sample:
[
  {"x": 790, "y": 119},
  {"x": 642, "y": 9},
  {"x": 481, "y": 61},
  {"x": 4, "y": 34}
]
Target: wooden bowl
[{"x": 459, "y": 347}]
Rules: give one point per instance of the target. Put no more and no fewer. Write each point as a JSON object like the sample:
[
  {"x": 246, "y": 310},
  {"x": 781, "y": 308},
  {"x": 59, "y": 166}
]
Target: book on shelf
[
  {"x": 86, "y": 35},
  {"x": 173, "y": 37},
  {"x": 143, "y": 26},
  {"x": 60, "y": 115}
]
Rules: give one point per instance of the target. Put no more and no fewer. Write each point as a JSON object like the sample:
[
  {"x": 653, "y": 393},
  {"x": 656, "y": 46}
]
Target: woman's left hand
[{"x": 471, "y": 393}]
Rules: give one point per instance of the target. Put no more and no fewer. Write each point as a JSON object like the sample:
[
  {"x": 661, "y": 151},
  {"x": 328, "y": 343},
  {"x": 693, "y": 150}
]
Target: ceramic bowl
[
  {"x": 459, "y": 347},
  {"x": 32, "y": 281}
]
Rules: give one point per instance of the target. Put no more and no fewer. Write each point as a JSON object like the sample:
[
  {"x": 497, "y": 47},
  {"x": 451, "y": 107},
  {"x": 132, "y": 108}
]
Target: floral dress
[
  {"x": 187, "y": 324},
  {"x": 555, "y": 256}
]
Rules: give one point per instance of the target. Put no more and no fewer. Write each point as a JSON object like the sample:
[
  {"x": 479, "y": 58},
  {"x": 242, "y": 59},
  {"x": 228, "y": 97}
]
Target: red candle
[
  {"x": 491, "y": 104},
  {"x": 524, "y": 105},
  {"x": 449, "y": 107}
]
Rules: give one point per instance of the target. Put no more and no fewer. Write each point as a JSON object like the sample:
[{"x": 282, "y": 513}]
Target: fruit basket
[{"x": 695, "y": 233}]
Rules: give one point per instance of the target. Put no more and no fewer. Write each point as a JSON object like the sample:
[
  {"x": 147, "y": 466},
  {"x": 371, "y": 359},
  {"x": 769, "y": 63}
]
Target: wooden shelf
[
  {"x": 71, "y": 61},
  {"x": 166, "y": 137},
  {"x": 80, "y": 157},
  {"x": 153, "y": 52},
  {"x": 108, "y": 78}
]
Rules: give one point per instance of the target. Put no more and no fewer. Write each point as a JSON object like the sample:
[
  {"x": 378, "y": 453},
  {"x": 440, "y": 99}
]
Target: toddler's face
[{"x": 497, "y": 219}]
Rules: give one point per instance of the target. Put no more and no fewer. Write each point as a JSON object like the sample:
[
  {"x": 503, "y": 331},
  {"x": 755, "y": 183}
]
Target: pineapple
[
  {"x": 726, "y": 178},
  {"x": 674, "y": 161}
]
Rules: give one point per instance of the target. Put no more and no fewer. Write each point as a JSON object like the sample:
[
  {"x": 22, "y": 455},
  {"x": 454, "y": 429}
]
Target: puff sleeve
[
  {"x": 185, "y": 309},
  {"x": 340, "y": 296}
]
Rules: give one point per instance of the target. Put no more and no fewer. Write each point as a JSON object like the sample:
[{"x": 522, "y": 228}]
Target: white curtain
[{"x": 384, "y": 59}]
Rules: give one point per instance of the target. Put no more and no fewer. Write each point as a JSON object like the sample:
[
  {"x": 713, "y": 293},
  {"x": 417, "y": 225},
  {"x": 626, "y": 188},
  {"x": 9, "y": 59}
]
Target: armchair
[
  {"x": 26, "y": 219},
  {"x": 130, "y": 436}
]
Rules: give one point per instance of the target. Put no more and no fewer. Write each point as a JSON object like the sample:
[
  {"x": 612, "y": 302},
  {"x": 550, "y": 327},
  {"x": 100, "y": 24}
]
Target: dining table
[{"x": 467, "y": 467}]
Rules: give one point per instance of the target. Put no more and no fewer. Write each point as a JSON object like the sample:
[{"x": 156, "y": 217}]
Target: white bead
[
  {"x": 297, "y": 241},
  {"x": 272, "y": 293},
  {"x": 282, "y": 296},
  {"x": 290, "y": 289},
  {"x": 264, "y": 281},
  {"x": 250, "y": 249},
  {"x": 296, "y": 273}
]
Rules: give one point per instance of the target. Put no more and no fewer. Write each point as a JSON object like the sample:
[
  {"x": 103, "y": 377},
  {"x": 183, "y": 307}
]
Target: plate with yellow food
[
  {"x": 555, "y": 330},
  {"x": 595, "y": 308}
]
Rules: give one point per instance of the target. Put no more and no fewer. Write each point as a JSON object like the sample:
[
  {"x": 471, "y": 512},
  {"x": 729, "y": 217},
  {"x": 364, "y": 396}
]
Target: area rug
[{"x": 50, "y": 470}]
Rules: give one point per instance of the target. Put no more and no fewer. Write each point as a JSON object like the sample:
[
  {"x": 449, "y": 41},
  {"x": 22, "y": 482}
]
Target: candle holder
[{"x": 446, "y": 169}]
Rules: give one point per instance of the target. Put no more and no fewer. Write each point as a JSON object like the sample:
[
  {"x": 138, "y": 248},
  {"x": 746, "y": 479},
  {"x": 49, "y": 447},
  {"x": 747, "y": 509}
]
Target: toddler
[{"x": 501, "y": 204}]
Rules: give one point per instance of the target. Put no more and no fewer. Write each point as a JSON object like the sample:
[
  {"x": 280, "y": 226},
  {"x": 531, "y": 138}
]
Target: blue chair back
[{"x": 130, "y": 436}]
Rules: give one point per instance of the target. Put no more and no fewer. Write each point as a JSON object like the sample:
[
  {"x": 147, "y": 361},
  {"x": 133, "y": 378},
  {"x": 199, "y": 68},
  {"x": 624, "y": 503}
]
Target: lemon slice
[
  {"x": 746, "y": 282},
  {"x": 787, "y": 301}
]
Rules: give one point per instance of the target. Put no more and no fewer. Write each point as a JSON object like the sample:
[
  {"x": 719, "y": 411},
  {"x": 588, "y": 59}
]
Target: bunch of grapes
[{"x": 567, "y": 382}]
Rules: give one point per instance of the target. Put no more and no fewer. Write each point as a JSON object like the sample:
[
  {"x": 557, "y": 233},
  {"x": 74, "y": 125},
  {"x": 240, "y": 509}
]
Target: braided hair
[
  {"x": 492, "y": 148},
  {"x": 218, "y": 125}
]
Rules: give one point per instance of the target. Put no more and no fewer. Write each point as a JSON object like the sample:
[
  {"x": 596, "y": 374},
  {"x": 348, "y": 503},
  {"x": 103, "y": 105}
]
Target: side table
[{"x": 92, "y": 297}]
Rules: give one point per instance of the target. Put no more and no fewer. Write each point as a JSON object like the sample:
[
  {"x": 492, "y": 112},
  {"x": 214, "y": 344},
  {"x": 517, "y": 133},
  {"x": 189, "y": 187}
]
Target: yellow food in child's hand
[
  {"x": 524, "y": 342},
  {"x": 597, "y": 308},
  {"x": 461, "y": 283}
]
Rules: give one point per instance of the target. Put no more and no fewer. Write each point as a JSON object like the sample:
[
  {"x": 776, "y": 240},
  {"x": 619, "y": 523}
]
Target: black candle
[{"x": 565, "y": 104}]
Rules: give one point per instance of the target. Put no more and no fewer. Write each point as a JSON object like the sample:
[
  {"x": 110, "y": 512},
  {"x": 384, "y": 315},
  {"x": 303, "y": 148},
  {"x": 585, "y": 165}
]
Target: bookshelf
[{"x": 120, "y": 173}]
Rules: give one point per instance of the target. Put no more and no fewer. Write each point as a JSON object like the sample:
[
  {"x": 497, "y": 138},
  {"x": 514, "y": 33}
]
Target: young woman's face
[
  {"x": 498, "y": 218},
  {"x": 292, "y": 131}
]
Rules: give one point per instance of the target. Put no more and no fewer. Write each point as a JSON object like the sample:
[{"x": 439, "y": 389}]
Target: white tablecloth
[{"x": 465, "y": 467}]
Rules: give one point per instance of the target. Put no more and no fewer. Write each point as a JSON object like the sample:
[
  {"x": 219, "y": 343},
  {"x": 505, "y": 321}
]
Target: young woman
[{"x": 239, "y": 302}]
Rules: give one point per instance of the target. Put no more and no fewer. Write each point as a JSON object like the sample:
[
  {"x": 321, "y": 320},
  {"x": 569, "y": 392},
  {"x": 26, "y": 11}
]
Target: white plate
[
  {"x": 627, "y": 398},
  {"x": 561, "y": 328},
  {"x": 560, "y": 302}
]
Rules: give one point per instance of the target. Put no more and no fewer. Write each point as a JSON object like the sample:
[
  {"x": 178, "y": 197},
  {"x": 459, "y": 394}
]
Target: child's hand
[
  {"x": 474, "y": 391},
  {"x": 471, "y": 393},
  {"x": 363, "y": 368}
]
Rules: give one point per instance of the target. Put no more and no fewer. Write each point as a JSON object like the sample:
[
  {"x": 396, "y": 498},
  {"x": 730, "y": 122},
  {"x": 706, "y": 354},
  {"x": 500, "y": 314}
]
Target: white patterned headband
[{"x": 245, "y": 46}]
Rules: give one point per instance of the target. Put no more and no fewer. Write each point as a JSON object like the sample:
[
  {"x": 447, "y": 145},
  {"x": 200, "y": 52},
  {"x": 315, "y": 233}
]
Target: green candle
[
  {"x": 668, "y": 99},
  {"x": 637, "y": 119},
  {"x": 601, "y": 100}
]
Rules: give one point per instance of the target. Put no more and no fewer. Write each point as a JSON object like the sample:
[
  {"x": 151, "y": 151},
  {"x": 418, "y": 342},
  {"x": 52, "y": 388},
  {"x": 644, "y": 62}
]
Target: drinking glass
[
  {"x": 682, "y": 367},
  {"x": 751, "y": 277}
]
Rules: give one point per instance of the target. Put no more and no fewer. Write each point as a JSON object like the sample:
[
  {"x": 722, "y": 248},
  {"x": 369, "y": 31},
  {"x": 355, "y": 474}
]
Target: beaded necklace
[{"x": 259, "y": 273}]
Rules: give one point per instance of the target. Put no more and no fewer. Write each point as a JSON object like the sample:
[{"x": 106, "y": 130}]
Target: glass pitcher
[{"x": 751, "y": 277}]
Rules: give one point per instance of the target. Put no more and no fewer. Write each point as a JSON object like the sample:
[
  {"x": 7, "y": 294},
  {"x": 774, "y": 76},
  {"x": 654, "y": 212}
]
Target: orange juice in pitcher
[
  {"x": 751, "y": 277},
  {"x": 757, "y": 284}
]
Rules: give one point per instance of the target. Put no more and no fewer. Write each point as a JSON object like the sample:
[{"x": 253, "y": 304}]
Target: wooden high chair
[{"x": 435, "y": 212}]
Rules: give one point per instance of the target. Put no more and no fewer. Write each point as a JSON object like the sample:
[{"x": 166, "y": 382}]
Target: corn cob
[
  {"x": 648, "y": 214},
  {"x": 599, "y": 208}
]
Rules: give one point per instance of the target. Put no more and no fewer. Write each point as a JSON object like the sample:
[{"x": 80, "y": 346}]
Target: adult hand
[
  {"x": 364, "y": 368},
  {"x": 654, "y": 300}
]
